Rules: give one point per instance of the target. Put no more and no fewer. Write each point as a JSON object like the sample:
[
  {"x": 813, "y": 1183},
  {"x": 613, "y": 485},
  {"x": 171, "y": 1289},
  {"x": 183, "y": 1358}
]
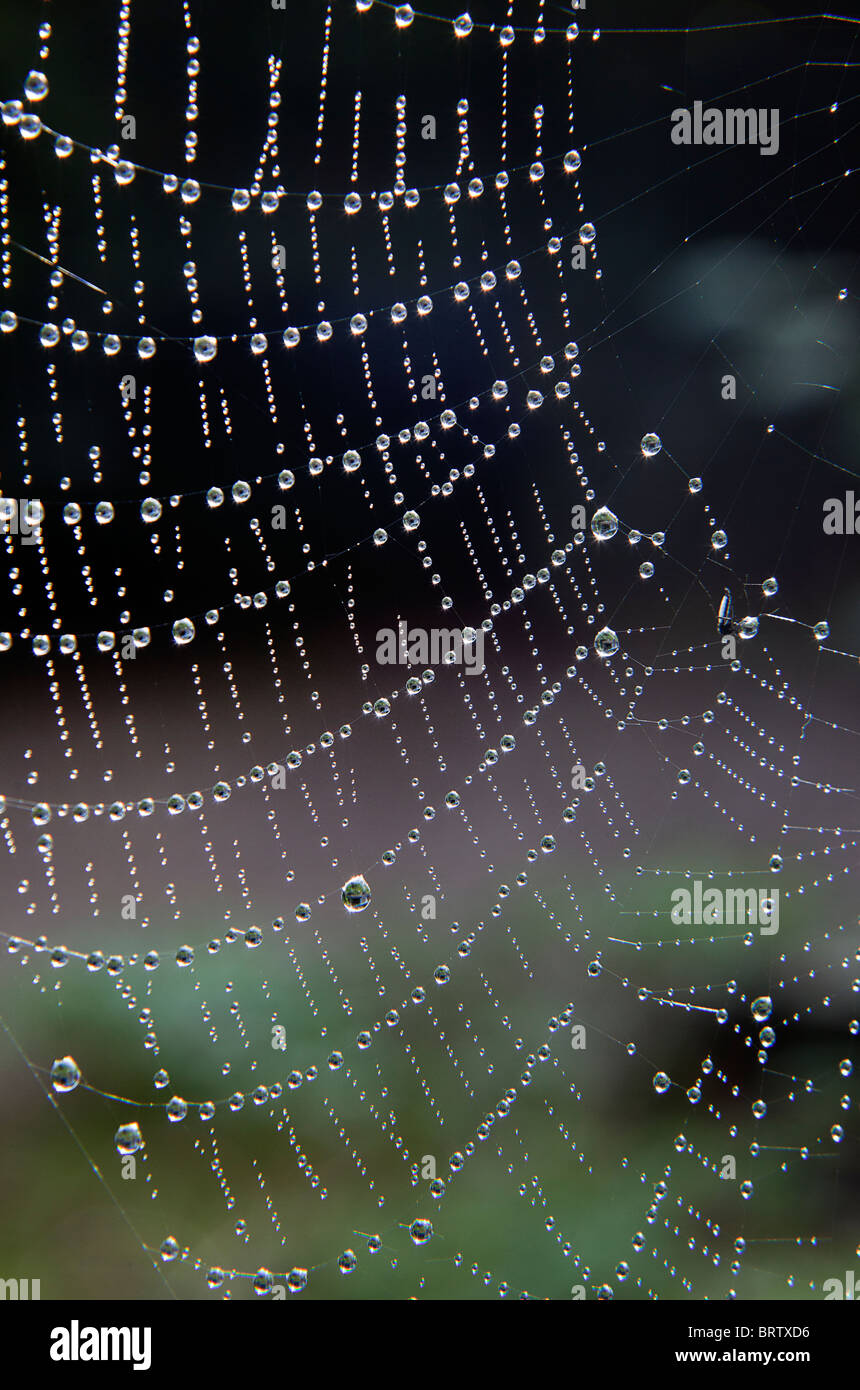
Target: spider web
[{"x": 281, "y": 373}]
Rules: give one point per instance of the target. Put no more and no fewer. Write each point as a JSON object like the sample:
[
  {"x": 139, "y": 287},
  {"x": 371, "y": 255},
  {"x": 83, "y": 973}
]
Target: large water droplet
[
  {"x": 65, "y": 1074},
  {"x": 606, "y": 642},
  {"x": 128, "y": 1138},
  {"x": 355, "y": 894},
  {"x": 36, "y": 86},
  {"x": 651, "y": 445},
  {"x": 604, "y": 524},
  {"x": 421, "y": 1231},
  {"x": 205, "y": 349}
]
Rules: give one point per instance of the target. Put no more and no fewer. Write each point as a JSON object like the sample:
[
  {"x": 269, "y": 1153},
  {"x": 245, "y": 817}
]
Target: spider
[{"x": 724, "y": 615}]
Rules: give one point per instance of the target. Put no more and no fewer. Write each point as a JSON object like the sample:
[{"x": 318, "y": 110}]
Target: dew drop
[
  {"x": 355, "y": 894},
  {"x": 36, "y": 86},
  {"x": 205, "y": 349},
  {"x": 651, "y": 445},
  {"x": 65, "y": 1074},
  {"x": 421, "y": 1231},
  {"x": 606, "y": 642},
  {"x": 604, "y": 524},
  {"x": 128, "y": 1138}
]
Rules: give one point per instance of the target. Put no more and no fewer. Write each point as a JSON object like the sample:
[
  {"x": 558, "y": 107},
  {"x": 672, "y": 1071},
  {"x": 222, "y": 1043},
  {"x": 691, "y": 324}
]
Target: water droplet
[
  {"x": 128, "y": 1138},
  {"x": 604, "y": 524},
  {"x": 651, "y": 445},
  {"x": 421, "y": 1231},
  {"x": 355, "y": 894},
  {"x": 177, "y": 1109},
  {"x": 36, "y": 86},
  {"x": 205, "y": 349},
  {"x": 606, "y": 642},
  {"x": 65, "y": 1074}
]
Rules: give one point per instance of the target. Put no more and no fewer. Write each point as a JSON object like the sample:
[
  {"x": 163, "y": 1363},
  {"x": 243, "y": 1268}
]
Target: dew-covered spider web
[{"x": 344, "y": 977}]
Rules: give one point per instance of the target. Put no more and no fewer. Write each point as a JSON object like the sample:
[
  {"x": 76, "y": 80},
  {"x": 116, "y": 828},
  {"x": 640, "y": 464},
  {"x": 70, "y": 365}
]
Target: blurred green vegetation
[{"x": 582, "y": 1148}]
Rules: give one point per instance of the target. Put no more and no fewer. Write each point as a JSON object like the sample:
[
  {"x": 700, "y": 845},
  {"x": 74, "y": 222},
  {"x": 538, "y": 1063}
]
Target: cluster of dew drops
[{"x": 355, "y": 894}]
